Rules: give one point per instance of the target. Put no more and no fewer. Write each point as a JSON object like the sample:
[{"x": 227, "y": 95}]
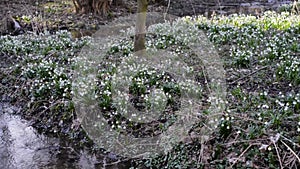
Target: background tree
[
  {"x": 295, "y": 8},
  {"x": 95, "y": 6},
  {"x": 140, "y": 30}
]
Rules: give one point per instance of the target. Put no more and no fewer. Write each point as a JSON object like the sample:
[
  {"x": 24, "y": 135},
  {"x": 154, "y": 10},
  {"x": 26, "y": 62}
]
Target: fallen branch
[
  {"x": 278, "y": 155},
  {"x": 240, "y": 155},
  {"x": 289, "y": 148},
  {"x": 250, "y": 74}
]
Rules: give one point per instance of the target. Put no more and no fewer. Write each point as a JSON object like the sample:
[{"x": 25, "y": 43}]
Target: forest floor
[
  {"x": 263, "y": 92},
  {"x": 58, "y": 15},
  {"x": 37, "y": 16}
]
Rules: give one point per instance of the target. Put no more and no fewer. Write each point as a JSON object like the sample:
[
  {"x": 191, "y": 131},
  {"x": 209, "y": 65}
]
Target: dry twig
[
  {"x": 250, "y": 74},
  {"x": 293, "y": 152},
  {"x": 241, "y": 155}
]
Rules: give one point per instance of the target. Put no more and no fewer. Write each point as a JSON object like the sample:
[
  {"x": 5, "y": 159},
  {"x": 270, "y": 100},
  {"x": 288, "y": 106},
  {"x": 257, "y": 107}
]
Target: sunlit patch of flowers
[
  {"x": 273, "y": 41},
  {"x": 269, "y": 20},
  {"x": 272, "y": 38}
]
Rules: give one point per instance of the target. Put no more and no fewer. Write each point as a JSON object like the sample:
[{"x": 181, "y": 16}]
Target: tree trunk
[
  {"x": 140, "y": 29},
  {"x": 92, "y": 6}
]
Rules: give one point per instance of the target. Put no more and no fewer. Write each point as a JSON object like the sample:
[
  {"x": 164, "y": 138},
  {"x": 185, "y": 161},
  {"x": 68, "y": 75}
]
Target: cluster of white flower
[
  {"x": 153, "y": 84},
  {"x": 27, "y": 46},
  {"x": 277, "y": 108},
  {"x": 49, "y": 80},
  {"x": 269, "y": 20},
  {"x": 272, "y": 38},
  {"x": 45, "y": 62}
]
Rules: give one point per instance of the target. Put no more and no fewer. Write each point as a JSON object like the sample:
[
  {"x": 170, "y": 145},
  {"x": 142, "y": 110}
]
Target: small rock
[{"x": 245, "y": 4}]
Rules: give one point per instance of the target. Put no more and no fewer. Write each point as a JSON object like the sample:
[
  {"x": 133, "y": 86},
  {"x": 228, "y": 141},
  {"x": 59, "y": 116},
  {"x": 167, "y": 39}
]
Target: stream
[{"x": 22, "y": 147}]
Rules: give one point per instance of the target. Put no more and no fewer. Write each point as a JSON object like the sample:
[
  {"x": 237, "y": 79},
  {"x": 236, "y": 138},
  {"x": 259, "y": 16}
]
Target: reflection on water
[{"x": 21, "y": 147}]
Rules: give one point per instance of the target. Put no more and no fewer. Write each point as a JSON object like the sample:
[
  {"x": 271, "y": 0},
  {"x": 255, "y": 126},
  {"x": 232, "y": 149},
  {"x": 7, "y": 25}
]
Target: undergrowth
[{"x": 259, "y": 127}]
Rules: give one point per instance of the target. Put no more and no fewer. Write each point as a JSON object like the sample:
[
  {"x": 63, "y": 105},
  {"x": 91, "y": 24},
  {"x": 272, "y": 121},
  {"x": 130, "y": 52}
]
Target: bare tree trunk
[
  {"x": 140, "y": 29},
  {"x": 83, "y": 6},
  {"x": 95, "y": 6},
  {"x": 295, "y": 8}
]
